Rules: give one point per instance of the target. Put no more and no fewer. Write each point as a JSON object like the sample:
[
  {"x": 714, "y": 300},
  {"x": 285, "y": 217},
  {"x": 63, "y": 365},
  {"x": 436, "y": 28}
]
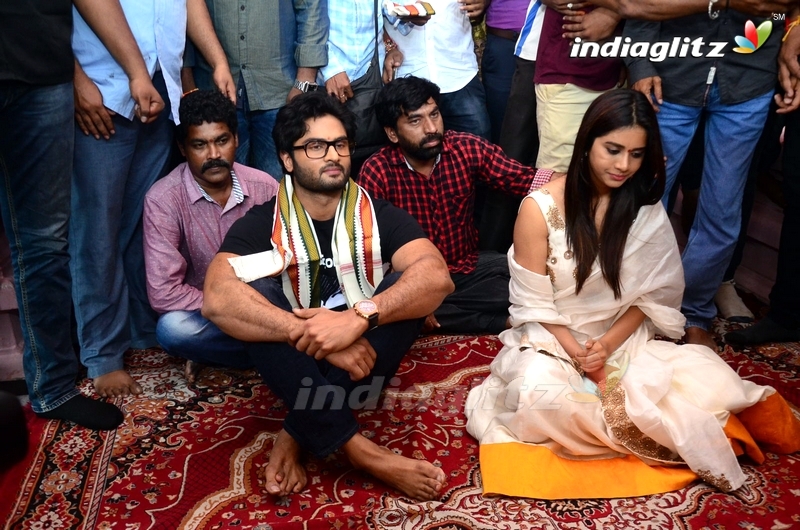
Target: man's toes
[
  {"x": 136, "y": 388},
  {"x": 275, "y": 485}
]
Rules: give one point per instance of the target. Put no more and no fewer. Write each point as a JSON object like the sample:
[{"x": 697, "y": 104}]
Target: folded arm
[
  {"x": 241, "y": 311},
  {"x": 424, "y": 283}
]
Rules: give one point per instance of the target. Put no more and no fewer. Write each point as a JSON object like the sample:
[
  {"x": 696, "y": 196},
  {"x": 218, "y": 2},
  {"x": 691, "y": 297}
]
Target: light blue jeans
[
  {"x": 110, "y": 179},
  {"x": 190, "y": 335},
  {"x": 732, "y": 132},
  {"x": 36, "y": 142}
]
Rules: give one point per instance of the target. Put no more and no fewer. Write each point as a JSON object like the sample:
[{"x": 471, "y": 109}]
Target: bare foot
[
  {"x": 695, "y": 335},
  {"x": 191, "y": 371},
  {"x": 285, "y": 474},
  {"x": 116, "y": 384},
  {"x": 416, "y": 478}
]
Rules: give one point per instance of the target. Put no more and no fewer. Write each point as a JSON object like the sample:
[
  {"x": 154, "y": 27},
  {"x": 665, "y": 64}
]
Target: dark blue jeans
[
  {"x": 36, "y": 143},
  {"x": 110, "y": 180},
  {"x": 497, "y": 67},
  {"x": 256, "y": 146},
  {"x": 465, "y": 110},
  {"x": 321, "y": 397}
]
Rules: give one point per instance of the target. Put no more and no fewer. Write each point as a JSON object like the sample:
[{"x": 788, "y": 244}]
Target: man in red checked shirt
[{"x": 433, "y": 175}]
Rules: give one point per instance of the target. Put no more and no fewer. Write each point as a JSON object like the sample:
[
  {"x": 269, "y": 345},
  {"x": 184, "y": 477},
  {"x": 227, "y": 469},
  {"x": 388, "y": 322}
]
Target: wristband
[
  {"x": 790, "y": 27},
  {"x": 540, "y": 178},
  {"x": 713, "y": 15}
]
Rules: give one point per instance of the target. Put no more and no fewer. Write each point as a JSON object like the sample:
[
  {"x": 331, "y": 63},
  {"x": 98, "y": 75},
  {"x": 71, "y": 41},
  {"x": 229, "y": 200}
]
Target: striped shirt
[
  {"x": 236, "y": 191},
  {"x": 528, "y": 42}
]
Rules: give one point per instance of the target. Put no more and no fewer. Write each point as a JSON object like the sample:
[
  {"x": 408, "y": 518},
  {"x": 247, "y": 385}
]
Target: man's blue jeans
[
  {"x": 256, "y": 146},
  {"x": 320, "y": 396},
  {"x": 36, "y": 142},
  {"x": 465, "y": 110},
  {"x": 190, "y": 335},
  {"x": 498, "y": 66},
  {"x": 732, "y": 132},
  {"x": 110, "y": 180}
]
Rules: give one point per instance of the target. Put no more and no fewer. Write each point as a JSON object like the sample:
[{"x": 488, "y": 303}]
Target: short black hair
[
  {"x": 210, "y": 106},
  {"x": 401, "y": 96},
  {"x": 290, "y": 124}
]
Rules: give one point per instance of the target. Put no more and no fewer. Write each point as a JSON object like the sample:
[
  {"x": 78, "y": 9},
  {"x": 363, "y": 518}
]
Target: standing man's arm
[
  {"x": 107, "y": 20},
  {"x": 789, "y": 69},
  {"x": 667, "y": 9},
  {"x": 642, "y": 74},
  {"x": 201, "y": 32},
  {"x": 311, "y": 17}
]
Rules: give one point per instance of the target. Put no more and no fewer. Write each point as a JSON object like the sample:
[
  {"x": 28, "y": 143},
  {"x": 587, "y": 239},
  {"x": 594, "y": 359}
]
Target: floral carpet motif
[{"x": 193, "y": 456}]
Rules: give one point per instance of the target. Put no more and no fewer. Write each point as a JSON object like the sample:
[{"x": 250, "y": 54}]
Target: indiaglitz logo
[{"x": 754, "y": 37}]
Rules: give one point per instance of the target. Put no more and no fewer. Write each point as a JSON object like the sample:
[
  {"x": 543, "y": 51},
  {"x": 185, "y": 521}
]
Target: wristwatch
[
  {"x": 305, "y": 86},
  {"x": 367, "y": 310}
]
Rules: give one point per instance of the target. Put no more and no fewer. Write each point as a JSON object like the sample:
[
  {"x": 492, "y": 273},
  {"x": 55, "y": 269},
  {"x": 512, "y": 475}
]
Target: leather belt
[{"x": 507, "y": 34}]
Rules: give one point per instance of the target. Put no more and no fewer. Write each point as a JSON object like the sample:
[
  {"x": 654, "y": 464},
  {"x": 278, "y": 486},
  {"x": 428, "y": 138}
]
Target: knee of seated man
[{"x": 176, "y": 329}]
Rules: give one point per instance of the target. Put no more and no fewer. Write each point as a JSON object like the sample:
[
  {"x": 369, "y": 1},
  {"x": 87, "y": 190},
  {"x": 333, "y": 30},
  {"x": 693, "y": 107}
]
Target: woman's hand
[{"x": 593, "y": 358}]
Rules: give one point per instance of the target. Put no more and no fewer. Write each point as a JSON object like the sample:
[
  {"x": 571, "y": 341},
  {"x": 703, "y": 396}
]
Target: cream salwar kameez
[{"x": 666, "y": 413}]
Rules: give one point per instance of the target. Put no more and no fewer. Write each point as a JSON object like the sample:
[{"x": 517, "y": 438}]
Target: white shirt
[{"x": 442, "y": 50}]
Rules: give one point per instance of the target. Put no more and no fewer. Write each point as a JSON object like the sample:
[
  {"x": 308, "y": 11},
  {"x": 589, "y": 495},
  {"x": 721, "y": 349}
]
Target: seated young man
[
  {"x": 339, "y": 286},
  {"x": 186, "y": 216},
  {"x": 432, "y": 175}
]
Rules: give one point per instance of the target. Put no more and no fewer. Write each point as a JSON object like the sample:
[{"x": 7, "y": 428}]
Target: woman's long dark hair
[{"x": 617, "y": 109}]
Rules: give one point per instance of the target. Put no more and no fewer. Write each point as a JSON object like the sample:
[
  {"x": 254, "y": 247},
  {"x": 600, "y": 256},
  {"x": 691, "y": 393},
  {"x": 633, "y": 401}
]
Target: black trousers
[
  {"x": 785, "y": 296},
  {"x": 480, "y": 302}
]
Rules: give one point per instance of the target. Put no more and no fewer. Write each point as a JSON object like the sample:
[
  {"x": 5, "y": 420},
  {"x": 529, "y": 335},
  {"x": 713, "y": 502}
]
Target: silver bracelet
[{"x": 712, "y": 14}]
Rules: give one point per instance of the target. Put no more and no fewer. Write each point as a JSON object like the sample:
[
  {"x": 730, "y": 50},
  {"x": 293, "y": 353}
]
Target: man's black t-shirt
[
  {"x": 252, "y": 234},
  {"x": 36, "y": 41}
]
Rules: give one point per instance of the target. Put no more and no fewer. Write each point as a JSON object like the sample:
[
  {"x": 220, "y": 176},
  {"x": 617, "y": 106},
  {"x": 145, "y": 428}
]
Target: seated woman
[{"x": 582, "y": 401}]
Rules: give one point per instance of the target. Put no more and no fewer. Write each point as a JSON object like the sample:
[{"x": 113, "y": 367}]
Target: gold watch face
[{"x": 367, "y": 307}]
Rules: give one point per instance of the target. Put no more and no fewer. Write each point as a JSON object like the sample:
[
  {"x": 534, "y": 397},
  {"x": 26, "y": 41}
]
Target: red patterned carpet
[{"x": 194, "y": 457}]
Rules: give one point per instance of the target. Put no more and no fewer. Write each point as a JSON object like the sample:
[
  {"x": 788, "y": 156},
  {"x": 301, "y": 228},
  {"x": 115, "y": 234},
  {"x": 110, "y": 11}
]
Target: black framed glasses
[{"x": 316, "y": 149}]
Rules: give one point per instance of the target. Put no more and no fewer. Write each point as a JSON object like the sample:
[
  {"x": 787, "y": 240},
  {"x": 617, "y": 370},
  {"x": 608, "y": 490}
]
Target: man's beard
[
  {"x": 217, "y": 162},
  {"x": 306, "y": 178},
  {"x": 419, "y": 151}
]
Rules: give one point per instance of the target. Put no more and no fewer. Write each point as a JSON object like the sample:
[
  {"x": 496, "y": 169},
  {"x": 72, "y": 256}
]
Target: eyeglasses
[{"x": 316, "y": 149}]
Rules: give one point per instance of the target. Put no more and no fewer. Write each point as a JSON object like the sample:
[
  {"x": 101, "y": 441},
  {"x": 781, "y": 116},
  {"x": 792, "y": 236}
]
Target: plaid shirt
[{"x": 444, "y": 203}]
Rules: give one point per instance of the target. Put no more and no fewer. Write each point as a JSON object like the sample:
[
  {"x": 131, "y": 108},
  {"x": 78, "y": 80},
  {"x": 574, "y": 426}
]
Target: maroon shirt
[
  {"x": 554, "y": 66},
  {"x": 444, "y": 203},
  {"x": 183, "y": 232}
]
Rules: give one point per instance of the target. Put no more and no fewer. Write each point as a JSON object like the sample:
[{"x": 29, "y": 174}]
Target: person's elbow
[
  {"x": 629, "y": 9},
  {"x": 440, "y": 278},
  {"x": 213, "y": 292},
  {"x": 211, "y": 306}
]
